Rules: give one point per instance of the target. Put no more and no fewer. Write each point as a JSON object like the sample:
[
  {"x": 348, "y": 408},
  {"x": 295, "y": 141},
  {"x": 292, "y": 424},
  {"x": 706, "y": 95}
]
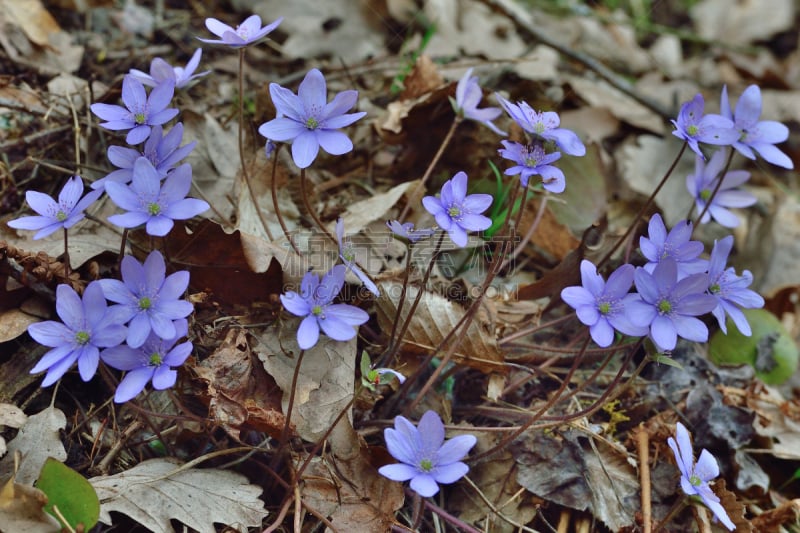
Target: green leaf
[{"x": 71, "y": 493}]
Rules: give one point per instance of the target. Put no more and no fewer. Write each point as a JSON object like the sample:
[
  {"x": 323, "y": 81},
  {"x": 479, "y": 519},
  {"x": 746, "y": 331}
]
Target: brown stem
[
  {"x": 245, "y": 175},
  {"x": 714, "y": 192},
  {"x": 385, "y": 359},
  {"x": 413, "y": 198},
  {"x": 275, "y": 203},
  {"x": 309, "y": 210},
  {"x": 643, "y": 448},
  {"x": 66, "y": 257}
]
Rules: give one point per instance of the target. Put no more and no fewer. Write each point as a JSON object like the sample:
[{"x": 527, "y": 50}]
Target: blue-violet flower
[
  {"x": 315, "y": 303},
  {"x": 544, "y": 125},
  {"x": 694, "y": 127},
  {"x": 348, "y": 255},
  {"x": 153, "y": 360},
  {"x": 141, "y": 112},
  {"x": 150, "y": 202},
  {"x": 668, "y": 306},
  {"x": 761, "y": 136},
  {"x": 468, "y": 96},
  {"x": 425, "y": 458},
  {"x": 161, "y": 71},
  {"x": 601, "y": 305},
  {"x": 88, "y": 325},
  {"x": 53, "y": 215},
  {"x": 705, "y": 179},
  {"x": 675, "y": 245},
  {"x": 147, "y": 298},
  {"x": 407, "y": 231},
  {"x": 532, "y": 160},
  {"x": 309, "y": 121},
  {"x": 163, "y": 151},
  {"x": 729, "y": 289},
  {"x": 248, "y": 32},
  {"x": 456, "y": 212},
  {"x": 695, "y": 477}
]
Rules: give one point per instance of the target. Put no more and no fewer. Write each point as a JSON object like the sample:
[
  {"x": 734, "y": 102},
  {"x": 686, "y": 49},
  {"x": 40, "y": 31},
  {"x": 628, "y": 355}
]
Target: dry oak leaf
[
  {"x": 37, "y": 440},
  {"x": 158, "y": 490}
]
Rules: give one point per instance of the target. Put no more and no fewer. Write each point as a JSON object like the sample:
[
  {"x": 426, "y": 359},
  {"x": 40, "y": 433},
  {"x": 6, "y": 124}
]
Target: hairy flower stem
[
  {"x": 287, "y": 424},
  {"x": 307, "y": 204},
  {"x": 643, "y": 210},
  {"x": 679, "y": 505},
  {"x": 417, "y": 504},
  {"x": 410, "y": 250},
  {"x": 275, "y": 203},
  {"x": 713, "y": 193},
  {"x": 66, "y": 257},
  {"x": 245, "y": 175},
  {"x": 393, "y": 347},
  {"x": 122, "y": 248},
  {"x": 414, "y": 197},
  {"x": 528, "y": 235}
]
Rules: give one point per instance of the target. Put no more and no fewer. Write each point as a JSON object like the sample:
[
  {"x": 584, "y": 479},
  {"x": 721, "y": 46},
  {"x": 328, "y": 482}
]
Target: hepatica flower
[
  {"x": 141, "y": 112},
  {"x": 244, "y": 34},
  {"x": 703, "y": 182},
  {"x": 694, "y": 127},
  {"x": 695, "y": 477},
  {"x": 308, "y": 121},
  {"x": 730, "y": 290},
  {"x": 64, "y": 213},
  {"x": 601, "y": 305},
  {"x": 425, "y": 458},
  {"x": 348, "y": 255},
  {"x": 544, "y": 125},
  {"x": 468, "y": 96},
  {"x": 675, "y": 245},
  {"x": 314, "y": 302},
  {"x": 457, "y": 212},
  {"x": 161, "y": 71},
  {"x": 154, "y": 360},
  {"x": 147, "y": 298},
  {"x": 87, "y": 326},
  {"x": 668, "y": 307},
  {"x": 532, "y": 160},
  {"x": 407, "y": 231},
  {"x": 163, "y": 151},
  {"x": 761, "y": 136},
  {"x": 148, "y": 201}
]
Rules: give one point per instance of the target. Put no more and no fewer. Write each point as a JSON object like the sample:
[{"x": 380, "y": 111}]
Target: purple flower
[
  {"x": 675, "y": 246},
  {"x": 161, "y": 71},
  {"x": 150, "y": 202},
  {"x": 152, "y": 361},
  {"x": 53, "y": 215},
  {"x": 456, "y": 212},
  {"x": 140, "y": 113},
  {"x": 694, "y": 127},
  {"x": 695, "y": 477},
  {"x": 314, "y": 302},
  {"x": 601, "y": 305},
  {"x": 309, "y": 121},
  {"x": 244, "y": 34},
  {"x": 531, "y": 161},
  {"x": 752, "y": 134},
  {"x": 668, "y": 306},
  {"x": 348, "y": 255},
  {"x": 406, "y": 230},
  {"x": 425, "y": 458},
  {"x": 88, "y": 325},
  {"x": 543, "y": 125},
  {"x": 148, "y": 298},
  {"x": 163, "y": 151},
  {"x": 730, "y": 290},
  {"x": 468, "y": 96},
  {"x": 703, "y": 182}
]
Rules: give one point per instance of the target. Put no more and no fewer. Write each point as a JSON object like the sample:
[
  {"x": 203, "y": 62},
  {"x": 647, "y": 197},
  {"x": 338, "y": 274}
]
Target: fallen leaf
[
  {"x": 10, "y": 415},
  {"x": 238, "y": 392},
  {"x": 434, "y": 318},
  {"x": 599, "y": 93},
  {"x": 70, "y": 493},
  {"x": 22, "y": 509},
  {"x": 32, "y": 17},
  {"x": 37, "y": 440},
  {"x": 14, "y": 323},
  {"x": 325, "y": 382},
  {"x": 742, "y": 22},
  {"x": 155, "y": 491}
]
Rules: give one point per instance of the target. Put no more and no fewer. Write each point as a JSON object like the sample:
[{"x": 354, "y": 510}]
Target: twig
[
  {"x": 511, "y": 11},
  {"x": 643, "y": 449}
]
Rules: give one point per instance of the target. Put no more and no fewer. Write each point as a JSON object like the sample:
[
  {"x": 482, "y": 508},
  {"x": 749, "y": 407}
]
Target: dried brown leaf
[
  {"x": 22, "y": 509},
  {"x": 37, "y": 440}
]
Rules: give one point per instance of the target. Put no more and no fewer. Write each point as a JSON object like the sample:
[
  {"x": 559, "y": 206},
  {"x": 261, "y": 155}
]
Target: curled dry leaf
[
  {"x": 156, "y": 491},
  {"x": 10, "y": 415},
  {"x": 22, "y": 509},
  {"x": 433, "y": 319}
]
